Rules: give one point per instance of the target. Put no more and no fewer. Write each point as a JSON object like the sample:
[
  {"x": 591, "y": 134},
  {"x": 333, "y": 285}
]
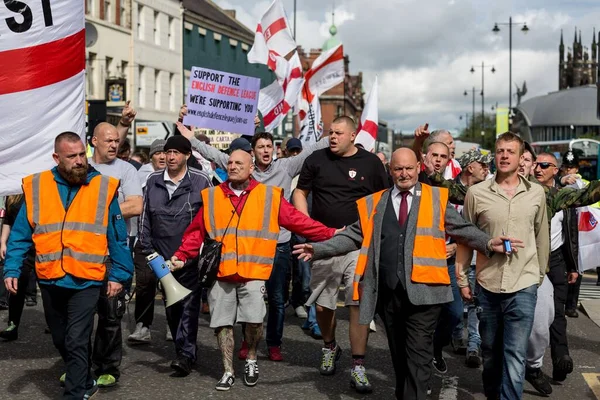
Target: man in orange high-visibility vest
[
  {"x": 401, "y": 273},
  {"x": 72, "y": 216}
]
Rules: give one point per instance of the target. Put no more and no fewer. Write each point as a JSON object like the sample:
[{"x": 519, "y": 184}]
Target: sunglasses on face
[{"x": 544, "y": 165}]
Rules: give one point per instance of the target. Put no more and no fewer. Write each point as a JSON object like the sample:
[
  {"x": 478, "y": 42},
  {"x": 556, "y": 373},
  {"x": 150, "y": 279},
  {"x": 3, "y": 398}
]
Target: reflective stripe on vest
[
  {"x": 429, "y": 253},
  {"x": 74, "y": 240},
  {"x": 366, "y": 211},
  {"x": 428, "y": 266},
  {"x": 250, "y": 241}
]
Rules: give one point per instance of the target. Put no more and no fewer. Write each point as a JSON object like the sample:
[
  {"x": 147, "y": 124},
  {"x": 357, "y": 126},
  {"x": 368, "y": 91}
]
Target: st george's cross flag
[
  {"x": 42, "y": 93},
  {"x": 367, "y": 128}
]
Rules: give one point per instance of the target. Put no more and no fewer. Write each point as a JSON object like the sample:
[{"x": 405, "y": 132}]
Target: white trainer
[{"x": 301, "y": 312}]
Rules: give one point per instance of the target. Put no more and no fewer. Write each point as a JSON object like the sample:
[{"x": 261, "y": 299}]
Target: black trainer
[
  {"x": 561, "y": 368},
  {"x": 251, "y": 373},
  {"x": 473, "y": 359},
  {"x": 439, "y": 363},
  {"x": 226, "y": 382},
  {"x": 539, "y": 380}
]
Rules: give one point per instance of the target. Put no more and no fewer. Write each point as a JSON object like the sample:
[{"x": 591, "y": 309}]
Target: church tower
[{"x": 581, "y": 65}]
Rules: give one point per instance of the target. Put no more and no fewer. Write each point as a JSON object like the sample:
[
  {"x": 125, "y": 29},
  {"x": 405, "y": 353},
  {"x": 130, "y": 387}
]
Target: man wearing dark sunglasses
[{"x": 563, "y": 267}]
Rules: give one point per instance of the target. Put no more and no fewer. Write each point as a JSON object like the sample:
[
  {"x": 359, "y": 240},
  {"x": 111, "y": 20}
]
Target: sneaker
[
  {"x": 539, "y": 380},
  {"x": 251, "y": 373},
  {"x": 226, "y": 382},
  {"x": 275, "y": 353},
  {"x": 572, "y": 313},
  {"x": 473, "y": 359},
  {"x": 243, "y": 354},
  {"x": 3, "y": 305},
  {"x": 561, "y": 368},
  {"x": 307, "y": 325},
  {"x": 359, "y": 380},
  {"x": 301, "y": 312},
  {"x": 30, "y": 301},
  {"x": 168, "y": 336},
  {"x": 11, "y": 333},
  {"x": 439, "y": 363},
  {"x": 106, "y": 380},
  {"x": 89, "y": 393},
  {"x": 329, "y": 360},
  {"x": 315, "y": 332},
  {"x": 62, "y": 379},
  {"x": 372, "y": 327},
  {"x": 459, "y": 346},
  {"x": 140, "y": 335}
]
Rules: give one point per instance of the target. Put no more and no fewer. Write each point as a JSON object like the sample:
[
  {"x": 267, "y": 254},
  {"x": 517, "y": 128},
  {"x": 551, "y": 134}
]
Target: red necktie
[{"x": 403, "y": 212}]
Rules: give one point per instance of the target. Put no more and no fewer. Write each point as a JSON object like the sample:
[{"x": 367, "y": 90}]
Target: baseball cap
[
  {"x": 240, "y": 144},
  {"x": 294, "y": 144},
  {"x": 471, "y": 156}
]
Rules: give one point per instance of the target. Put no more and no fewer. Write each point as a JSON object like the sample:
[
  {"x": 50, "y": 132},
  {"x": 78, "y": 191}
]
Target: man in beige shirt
[{"x": 507, "y": 284}]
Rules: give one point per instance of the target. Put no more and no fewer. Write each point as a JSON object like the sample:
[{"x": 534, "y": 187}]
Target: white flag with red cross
[
  {"x": 273, "y": 40},
  {"x": 309, "y": 114},
  {"x": 326, "y": 72},
  {"x": 368, "y": 126},
  {"x": 277, "y": 99},
  {"x": 42, "y": 93}
]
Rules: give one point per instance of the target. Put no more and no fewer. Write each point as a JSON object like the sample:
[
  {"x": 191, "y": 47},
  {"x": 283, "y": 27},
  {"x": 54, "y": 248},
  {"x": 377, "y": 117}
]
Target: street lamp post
[
  {"x": 496, "y": 29},
  {"x": 473, "y": 114},
  {"x": 482, "y": 92}
]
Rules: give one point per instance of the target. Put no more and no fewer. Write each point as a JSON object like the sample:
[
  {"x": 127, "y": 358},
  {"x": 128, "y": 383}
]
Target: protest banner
[
  {"x": 222, "y": 101},
  {"x": 42, "y": 63}
]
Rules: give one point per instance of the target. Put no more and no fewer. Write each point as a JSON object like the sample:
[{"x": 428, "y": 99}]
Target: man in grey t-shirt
[{"x": 108, "y": 344}]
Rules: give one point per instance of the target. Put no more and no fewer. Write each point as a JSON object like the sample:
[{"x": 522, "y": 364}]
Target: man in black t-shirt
[{"x": 337, "y": 177}]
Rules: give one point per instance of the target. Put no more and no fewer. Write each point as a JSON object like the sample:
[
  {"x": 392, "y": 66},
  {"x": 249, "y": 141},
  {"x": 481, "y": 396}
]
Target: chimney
[{"x": 230, "y": 13}]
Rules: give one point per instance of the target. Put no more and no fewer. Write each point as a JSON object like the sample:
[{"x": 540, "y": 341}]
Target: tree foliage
[{"x": 468, "y": 134}]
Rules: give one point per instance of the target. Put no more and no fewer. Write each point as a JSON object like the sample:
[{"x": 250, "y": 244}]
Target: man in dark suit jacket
[{"x": 409, "y": 310}]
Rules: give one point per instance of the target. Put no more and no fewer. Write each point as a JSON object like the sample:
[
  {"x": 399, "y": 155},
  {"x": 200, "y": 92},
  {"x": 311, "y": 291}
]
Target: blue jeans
[
  {"x": 473, "y": 309},
  {"x": 276, "y": 287},
  {"x": 505, "y": 324},
  {"x": 450, "y": 317}
]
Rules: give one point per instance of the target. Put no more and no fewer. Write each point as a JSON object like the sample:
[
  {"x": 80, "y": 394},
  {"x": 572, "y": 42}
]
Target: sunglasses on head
[{"x": 544, "y": 165}]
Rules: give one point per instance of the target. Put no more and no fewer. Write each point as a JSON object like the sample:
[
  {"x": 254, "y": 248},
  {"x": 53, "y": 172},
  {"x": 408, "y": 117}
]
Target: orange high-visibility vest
[
  {"x": 429, "y": 253},
  {"x": 71, "y": 241},
  {"x": 250, "y": 243}
]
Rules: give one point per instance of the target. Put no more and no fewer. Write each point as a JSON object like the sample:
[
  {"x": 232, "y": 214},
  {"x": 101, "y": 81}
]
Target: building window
[
  {"x": 108, "y": 66},
  {"x": 125, "y": 70},
  {"x": 90, "y": 76},
  {"x": 340, "y": 111},
  {"x": 90, "y": 7},
  {"x": 156, "y": 27},
  {"x": 157, "y": 91},
  {"x": 172, "y": 92},
  {"x": 123, "y": 15},
  {"x": 171, "y": 33},
  {"x": 140, "y": 22},
  {"x": 187, "y": 74},
  {"x": 108, "y": 17},
  {"x": 142, "y": 86}
]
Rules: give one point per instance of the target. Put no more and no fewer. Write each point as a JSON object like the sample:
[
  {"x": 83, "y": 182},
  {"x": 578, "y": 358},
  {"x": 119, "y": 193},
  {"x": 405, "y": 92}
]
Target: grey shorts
[
  {"x": 231, "y": 302},
  {"x": 326, "y": 277}
]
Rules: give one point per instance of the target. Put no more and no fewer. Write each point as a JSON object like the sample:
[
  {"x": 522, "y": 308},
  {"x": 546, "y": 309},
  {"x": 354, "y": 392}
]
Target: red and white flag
[
  {"x": 326, "y": 72},
  {"x": 273, "y": 40},
  {"x": 309, "y": 114},
  {"x": 589, "y": 238},
  {"x": 42, "y": 64},
  {"x": 369, "y": 120},
  {"x": 277, "y": 99}
]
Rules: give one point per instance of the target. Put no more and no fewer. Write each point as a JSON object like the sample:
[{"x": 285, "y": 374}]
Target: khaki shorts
[
  {"x": 326, "y": 277},
  {"x": 232, "y": 302}
]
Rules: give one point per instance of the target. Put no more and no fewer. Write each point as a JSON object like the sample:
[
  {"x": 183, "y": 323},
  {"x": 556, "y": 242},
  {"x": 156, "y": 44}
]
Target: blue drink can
[{"x": 507, "y": 246}]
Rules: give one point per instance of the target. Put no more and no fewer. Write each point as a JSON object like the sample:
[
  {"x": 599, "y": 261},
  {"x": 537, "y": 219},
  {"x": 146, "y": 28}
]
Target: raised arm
[
  {"x": 294, "y": 164},
  {"x": 421, "y": 134},
  {"x": 205, "y": 150},
  {"x": 127, "y": 117}
]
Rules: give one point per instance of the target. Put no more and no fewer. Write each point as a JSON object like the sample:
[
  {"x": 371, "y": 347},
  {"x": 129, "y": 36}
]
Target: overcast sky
[{"x": 422, "y": 50}]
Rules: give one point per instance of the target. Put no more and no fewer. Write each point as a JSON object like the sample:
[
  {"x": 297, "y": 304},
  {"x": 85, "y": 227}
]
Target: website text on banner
[
  {"x": 222, "y": 101},
  {"x": 42, "y": 63}
]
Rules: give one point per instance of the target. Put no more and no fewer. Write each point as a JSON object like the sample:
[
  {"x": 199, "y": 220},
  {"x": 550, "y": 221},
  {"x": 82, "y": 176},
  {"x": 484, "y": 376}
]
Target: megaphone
[{"x": 174, "y": 291}]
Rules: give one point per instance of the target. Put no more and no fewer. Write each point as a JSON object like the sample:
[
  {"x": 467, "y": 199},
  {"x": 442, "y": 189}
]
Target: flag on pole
[
  {"x": 311, "y": 125},
  {"x": 42, "y": 64},
  {"x": 326, "y": 72},
  {"x": 368, "y": 125},
  {"x": 589, "y": 238},
  {"x": 273, "y": 40},
  {"x": 276, "y": 100}
]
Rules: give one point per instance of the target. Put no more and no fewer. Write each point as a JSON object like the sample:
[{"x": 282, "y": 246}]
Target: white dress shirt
[{"x": 397, "y": 198}]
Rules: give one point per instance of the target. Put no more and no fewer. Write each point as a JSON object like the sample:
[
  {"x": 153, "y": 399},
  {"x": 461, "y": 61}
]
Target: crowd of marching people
[{"x": 442, "y": 252}]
